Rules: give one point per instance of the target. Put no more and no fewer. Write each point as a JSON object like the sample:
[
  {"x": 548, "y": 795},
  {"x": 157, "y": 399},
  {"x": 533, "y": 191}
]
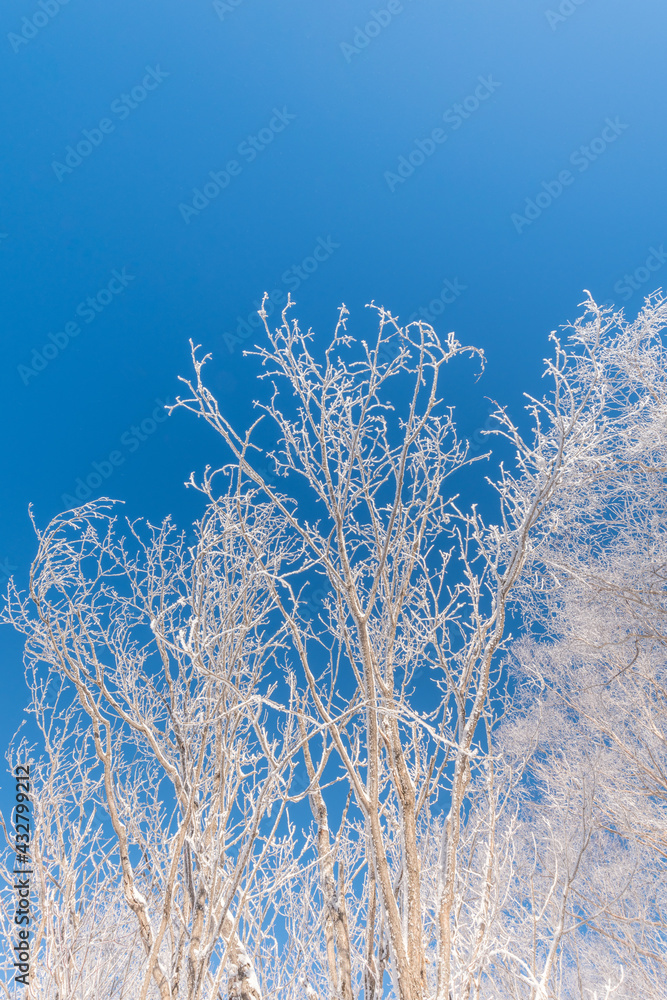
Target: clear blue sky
[{"x": 165, "y": 163}]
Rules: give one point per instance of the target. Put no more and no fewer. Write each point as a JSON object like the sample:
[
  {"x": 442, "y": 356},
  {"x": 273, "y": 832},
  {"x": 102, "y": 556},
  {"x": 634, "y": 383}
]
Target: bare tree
[
  {"x": 593, "y": 670},
  {"x": 160, "y": 717},
  {"x": 88, "y": 947},
  {"x": 419, "y": 589},
  {"x": 459, "y": 840}
]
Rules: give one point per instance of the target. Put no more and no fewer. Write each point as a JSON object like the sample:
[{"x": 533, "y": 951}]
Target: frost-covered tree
[
  {"x": 593, "y": 663},
  {"x": 162, "y": 784},
  {"x": 377, "y": 792}
]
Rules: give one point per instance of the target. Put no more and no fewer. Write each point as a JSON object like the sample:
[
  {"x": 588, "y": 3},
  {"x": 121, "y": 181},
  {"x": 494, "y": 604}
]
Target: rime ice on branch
[{"x": 299, "y": 798}]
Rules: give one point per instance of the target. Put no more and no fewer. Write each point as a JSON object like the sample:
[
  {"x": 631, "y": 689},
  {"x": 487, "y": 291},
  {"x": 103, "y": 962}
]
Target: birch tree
[
  {"x": 604, "y": 564},
  {"x": 418, "y": 591},
  {"x": 88, "y": 947},
  {"x": 329, "y": 769},
  {"x": 159, "y": 716},
  {"x": 594, "y": 666}
]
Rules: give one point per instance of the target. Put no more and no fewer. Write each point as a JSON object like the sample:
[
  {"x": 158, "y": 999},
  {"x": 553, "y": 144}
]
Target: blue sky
[{"x": 166, "y": 163}]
